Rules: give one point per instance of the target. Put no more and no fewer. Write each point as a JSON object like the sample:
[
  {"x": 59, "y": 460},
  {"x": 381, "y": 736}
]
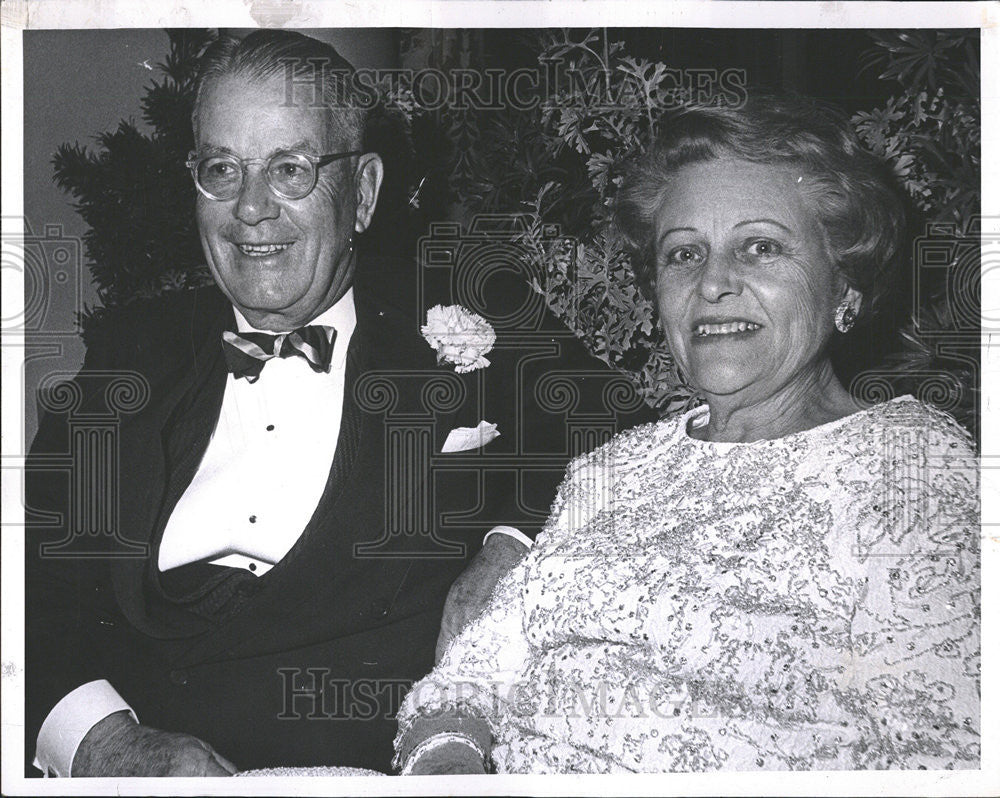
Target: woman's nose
[
  {"x": 720, "y": 277},
  {"x": 256, "y": 202}
]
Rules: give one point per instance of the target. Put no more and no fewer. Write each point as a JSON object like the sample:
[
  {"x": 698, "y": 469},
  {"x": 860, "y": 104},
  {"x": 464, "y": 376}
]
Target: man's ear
[{"x": 367, "y": 182}]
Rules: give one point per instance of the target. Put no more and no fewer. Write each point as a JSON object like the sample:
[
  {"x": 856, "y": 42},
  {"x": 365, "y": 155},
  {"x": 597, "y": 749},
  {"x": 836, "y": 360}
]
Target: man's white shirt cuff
[
  {"x": 510, "y": 531},
  {"x": 70, "y": 720}
]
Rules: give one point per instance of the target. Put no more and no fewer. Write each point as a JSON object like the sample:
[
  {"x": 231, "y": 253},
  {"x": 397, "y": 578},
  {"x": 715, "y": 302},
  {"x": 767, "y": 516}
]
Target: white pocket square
[{"x": 461, "y": 439}]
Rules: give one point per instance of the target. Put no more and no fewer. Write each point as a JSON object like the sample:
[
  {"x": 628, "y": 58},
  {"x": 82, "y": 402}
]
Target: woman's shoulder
[
  {"x": 630, "y": 447},
  {"x": 921, "y": 425},
  {"x": 912, "y": 454},
  {"x": 593, "y": 477},
  {"x": 924, "y": 471}
]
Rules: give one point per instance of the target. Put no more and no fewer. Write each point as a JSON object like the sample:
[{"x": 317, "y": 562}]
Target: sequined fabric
[
  {"x": 322, "y": 772},
  {"x": 810, "y": 602}
]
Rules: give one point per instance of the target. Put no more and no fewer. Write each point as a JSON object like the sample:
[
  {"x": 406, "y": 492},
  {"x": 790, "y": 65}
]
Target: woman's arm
[
  {"x": 447, "y": 722},
  {"x": 915, "y": 634}
]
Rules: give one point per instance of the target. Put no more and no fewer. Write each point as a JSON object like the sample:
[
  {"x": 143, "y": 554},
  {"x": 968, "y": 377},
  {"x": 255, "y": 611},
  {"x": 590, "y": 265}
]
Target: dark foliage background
[{"x": 914, "y": 96}]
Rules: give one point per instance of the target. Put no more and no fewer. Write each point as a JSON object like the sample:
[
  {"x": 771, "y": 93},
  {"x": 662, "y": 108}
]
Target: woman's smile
[{"x": 741, "y": 328}]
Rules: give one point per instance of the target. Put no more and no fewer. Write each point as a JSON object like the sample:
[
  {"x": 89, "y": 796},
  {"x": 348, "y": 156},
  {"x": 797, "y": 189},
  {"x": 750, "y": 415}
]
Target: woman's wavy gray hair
[{"x": 852, "y": 192}]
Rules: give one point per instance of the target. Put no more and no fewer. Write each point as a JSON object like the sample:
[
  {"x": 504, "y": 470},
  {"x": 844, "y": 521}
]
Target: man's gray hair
[{"x": 266, "y": 54}]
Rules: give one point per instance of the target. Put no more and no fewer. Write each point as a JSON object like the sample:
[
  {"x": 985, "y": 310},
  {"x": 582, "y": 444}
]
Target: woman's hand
[{"x": 448, "y": 759}]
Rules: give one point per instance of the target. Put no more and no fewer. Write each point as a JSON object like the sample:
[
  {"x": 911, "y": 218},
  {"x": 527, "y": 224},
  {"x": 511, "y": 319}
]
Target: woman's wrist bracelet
[{"x": 436, "y": 741}]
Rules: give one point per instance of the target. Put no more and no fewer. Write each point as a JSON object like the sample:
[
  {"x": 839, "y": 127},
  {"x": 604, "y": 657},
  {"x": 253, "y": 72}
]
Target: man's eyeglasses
[{"x": 291, "y": 175}]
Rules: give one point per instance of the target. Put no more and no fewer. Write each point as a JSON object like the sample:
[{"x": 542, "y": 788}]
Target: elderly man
[{"x": 254, "y": 633}]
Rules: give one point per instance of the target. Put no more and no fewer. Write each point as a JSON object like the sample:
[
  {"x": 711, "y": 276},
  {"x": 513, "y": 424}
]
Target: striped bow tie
[{"x": 246, "y": 353}]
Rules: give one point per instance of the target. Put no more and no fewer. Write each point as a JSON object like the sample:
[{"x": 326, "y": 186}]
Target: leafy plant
[
  {"x": 558, "y": 165},
  {"x": 930, "y": 133},
  {"x": 561, "y": 163},
  {"x": 135, "y": 192}
]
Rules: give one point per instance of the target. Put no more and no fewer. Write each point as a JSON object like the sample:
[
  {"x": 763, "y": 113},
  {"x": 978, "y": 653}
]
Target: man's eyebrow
[
  {"x": 303, "y": 145},
  {"x": 215, "y": 148}
]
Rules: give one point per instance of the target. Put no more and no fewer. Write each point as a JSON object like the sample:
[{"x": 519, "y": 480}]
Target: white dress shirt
[
  {"x": 267, "y": 463},
  {"x": 257, "y": 486}
]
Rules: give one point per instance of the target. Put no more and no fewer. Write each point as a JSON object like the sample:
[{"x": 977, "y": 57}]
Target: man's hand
[
  {"x": 471, "y": 592},
  {"x": 118, "y": 746}
]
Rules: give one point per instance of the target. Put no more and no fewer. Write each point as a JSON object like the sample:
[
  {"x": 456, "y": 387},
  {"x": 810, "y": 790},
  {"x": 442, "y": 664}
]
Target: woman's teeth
[
  {"x": 728, "y": 328},
  {"x": 262, "y": 250}
]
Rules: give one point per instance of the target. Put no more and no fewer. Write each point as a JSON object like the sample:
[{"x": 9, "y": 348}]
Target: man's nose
[
  {"x": 720, "y": 277},
  {"x": 256, "y": 202}
]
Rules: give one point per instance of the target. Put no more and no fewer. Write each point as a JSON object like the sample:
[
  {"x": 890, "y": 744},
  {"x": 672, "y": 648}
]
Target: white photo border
[{"x": 78, "y": 14}]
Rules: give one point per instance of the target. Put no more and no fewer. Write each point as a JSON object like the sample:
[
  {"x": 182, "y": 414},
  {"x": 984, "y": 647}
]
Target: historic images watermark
[
  {"x": 949, "y": 264},
  {"x": 581, "y": 406},
  {"x": 319, "y": 694},
  {"x": 50, "y": 263},
  {"x": 945, "y": 258},
  {"x": 553, "y": 84}
]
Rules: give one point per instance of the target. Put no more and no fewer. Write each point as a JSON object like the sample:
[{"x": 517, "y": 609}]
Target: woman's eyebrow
[
  {"x": 775, "y": 222},
  {"x": 665, "y": 233}
]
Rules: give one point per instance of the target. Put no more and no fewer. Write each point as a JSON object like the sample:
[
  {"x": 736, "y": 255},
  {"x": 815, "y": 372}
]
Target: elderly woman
[{"x": 781, "y": 578}]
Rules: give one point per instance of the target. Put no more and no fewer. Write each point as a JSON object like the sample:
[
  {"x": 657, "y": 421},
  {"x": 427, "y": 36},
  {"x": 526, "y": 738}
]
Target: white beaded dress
[{"x": 810, "y": 602}]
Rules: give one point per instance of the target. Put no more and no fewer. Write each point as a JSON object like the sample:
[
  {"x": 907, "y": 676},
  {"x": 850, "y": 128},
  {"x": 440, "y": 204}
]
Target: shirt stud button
[
  {"x": 253, "y": 519},
  {"x": 270, "y": 427},
  {"x": 252, "y": 566}
]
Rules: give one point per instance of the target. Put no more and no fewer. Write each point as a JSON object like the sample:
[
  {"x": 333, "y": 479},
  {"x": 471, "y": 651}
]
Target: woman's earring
[{"x": 845, "y": 316}]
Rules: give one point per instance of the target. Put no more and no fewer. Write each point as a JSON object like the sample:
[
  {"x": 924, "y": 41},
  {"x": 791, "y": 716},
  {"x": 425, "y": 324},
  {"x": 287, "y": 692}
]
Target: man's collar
[{"x": 341, "y": 316}]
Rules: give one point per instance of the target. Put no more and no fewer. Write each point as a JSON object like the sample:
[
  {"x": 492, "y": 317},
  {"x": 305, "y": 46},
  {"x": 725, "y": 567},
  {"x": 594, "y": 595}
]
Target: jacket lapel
[
  {"x": 165, "y": 445},
  {"x": 322, "y": 589},
  {"x": 352, "y": 430}
]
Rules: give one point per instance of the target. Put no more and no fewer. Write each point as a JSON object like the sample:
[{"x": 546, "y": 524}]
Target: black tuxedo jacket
[{"x": 306, "y": 665}]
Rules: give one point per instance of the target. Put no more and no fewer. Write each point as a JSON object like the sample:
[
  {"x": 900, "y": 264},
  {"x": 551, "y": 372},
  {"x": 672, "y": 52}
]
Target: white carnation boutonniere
[{"x": 459, "y": 336}]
